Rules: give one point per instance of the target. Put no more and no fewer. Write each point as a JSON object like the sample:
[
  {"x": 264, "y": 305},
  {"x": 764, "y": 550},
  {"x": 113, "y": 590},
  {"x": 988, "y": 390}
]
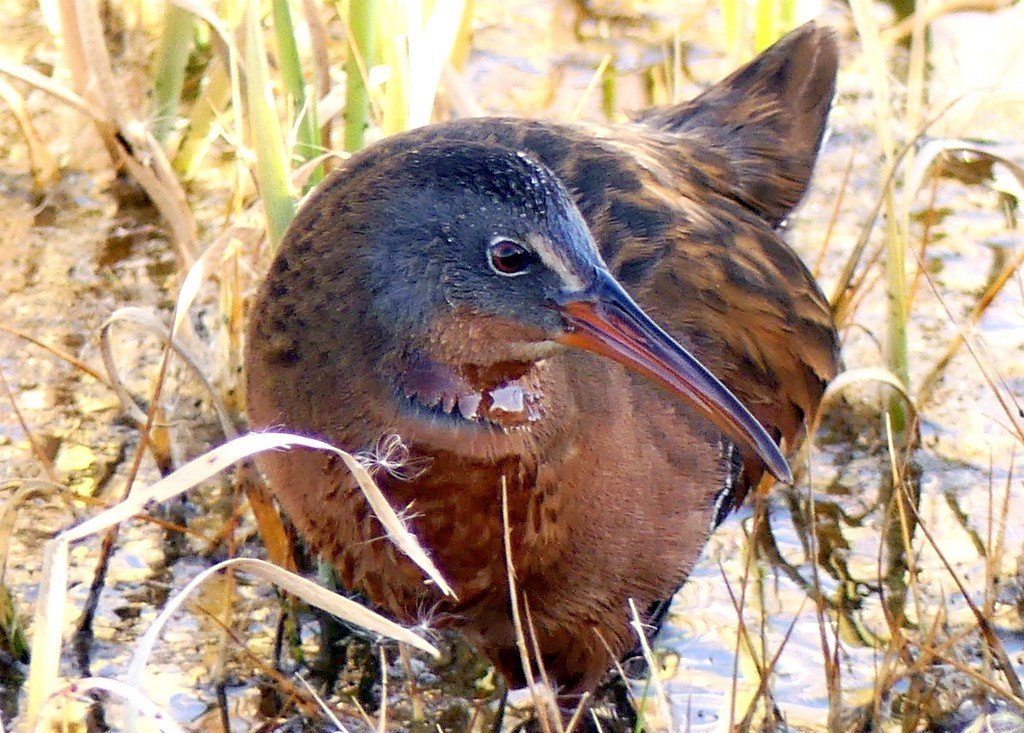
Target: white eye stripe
[{"x": 556, "y": 264}]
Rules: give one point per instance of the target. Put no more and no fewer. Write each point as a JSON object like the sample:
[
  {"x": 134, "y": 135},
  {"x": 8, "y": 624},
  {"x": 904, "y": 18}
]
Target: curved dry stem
[{"x": 151, "y": 323}]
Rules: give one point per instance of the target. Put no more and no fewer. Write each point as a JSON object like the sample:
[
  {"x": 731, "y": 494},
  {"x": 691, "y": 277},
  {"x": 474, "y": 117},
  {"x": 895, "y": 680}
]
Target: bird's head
[{"x": 468, "y": 233}]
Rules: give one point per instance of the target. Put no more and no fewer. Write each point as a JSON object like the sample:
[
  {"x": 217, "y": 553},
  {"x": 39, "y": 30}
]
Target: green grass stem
[
  {"x": 272, "y": 169},
  {"x": 896, "y": 352},
  {"x": 169, "y": 69},
  {"x": 308, "y": 144},
  {"x": 362, "y": 51}
]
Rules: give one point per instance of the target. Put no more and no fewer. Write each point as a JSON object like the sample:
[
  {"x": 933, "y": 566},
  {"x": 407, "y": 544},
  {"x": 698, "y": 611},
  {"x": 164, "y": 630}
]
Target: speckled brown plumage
[{"x": 380, "y": 317}]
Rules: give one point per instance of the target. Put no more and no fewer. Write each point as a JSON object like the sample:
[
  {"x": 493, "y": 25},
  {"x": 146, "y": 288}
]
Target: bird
[{"x": 603, "y": 322}]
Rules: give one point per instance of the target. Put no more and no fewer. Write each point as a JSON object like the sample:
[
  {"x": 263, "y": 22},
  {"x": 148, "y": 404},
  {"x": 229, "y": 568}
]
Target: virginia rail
[{"x": 488, "y": 290}]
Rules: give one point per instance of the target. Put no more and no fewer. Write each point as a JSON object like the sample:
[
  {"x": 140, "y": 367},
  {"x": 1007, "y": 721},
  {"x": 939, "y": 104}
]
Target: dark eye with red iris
[{"x": 510, "y": 258}]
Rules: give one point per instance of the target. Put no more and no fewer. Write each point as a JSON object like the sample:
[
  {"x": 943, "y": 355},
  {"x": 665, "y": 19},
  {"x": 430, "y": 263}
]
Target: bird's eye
[{"x": 510, "y": 258}]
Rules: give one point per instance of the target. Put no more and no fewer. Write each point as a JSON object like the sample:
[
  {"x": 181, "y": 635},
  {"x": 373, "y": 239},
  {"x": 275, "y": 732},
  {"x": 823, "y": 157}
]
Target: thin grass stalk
[
  {"x": 522, "y": 645},
  {"x": 895, "y": 273},
  {"x": 897, "y": 354},
  {"x": 362, "y": 32},
  {"x": 902, "y": 560},
  {"x": 897, "y": 224},
  {"x": 169, "y": 70},
  {"x": 382, "y": 714},
  {"x": 595, "y": 78},
  {"x": 272, "y": 170},
  {"x": 916, "y": 78},
  {"x": 84, "y": 52},
  {"x": 308, "y": 144},
  {"x": 915, "y": 100}
]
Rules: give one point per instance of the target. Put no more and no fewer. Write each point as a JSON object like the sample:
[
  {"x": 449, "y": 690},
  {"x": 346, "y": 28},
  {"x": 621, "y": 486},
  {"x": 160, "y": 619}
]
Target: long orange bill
[{"x": 606, "y": 321}]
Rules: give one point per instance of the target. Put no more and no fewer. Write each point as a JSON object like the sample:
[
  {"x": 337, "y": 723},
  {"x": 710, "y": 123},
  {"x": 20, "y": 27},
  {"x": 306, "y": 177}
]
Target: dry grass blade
[
  {"x": 126, "y": 137},
  {"x": 745, "y": 648},
  {"x": 395, "y": 527},
  {"x": 88, "y": 60},
  {"x": 543, "y": 704},
  {"x": 837, "y": 207},
  {"x": 47, "y": 632},
  {"x": 382, "y": 714},
  {"x": 993, "y": 645},
  {"x": 765, "y": 675},
  {"x": 851, "y": 280},
  {"x": 147, "y": 163},
  {"x": 994, "y": 556},
  {"x": 865, "y": 374},
  {"x": 46, "y": 642},
  {"x": 932, "y": 379},
  {"x": 173, "y": 337},
  {"x": 238, "y": 449},
  {"x": 11, "y": 628},
  {"x": 843, "y": 382},
  {"x": 203, "y": 11},
  {"x": 987, "y": 632},
  {"x": 931, "y": 155},
  {"x": 318, "y": 39},
  {"x": 46, "y": 84},
  {"x": 307, "y": 590},
  {"x": 326, "y": 711},
  {"x": 595, "y": 80},
  {"x": 461, "y": 98}
]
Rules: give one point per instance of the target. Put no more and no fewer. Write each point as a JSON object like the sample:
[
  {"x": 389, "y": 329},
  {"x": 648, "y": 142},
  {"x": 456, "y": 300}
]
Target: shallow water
[{"x": 67, "y": 261}]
